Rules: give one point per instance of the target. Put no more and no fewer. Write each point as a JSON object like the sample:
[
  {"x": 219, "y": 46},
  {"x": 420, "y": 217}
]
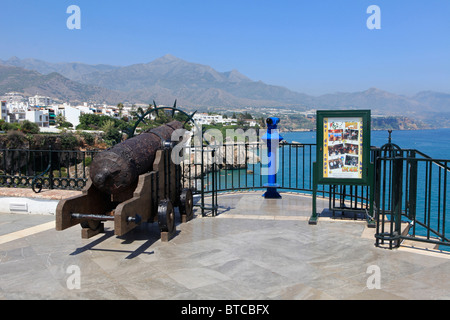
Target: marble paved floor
[{"x": 254, "y": 249}]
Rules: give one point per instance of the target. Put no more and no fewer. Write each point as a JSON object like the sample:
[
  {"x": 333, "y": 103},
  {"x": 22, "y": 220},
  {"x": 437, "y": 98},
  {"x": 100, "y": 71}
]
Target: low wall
[{"x": 26, "y": 201}]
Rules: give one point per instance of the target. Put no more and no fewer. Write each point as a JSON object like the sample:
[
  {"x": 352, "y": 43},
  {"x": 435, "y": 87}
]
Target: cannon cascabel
[{"x": 116, "y": 169}]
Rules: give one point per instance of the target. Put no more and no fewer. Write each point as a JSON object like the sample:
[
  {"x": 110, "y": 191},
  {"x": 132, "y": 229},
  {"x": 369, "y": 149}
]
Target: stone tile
[
  {"x": 299, "y": 291},
  {"x": 375, "y": 294},
  {"x": 193, "y": 278},
  {"x": 159, "y": 286},
  {"x": 229, "y": 290}
]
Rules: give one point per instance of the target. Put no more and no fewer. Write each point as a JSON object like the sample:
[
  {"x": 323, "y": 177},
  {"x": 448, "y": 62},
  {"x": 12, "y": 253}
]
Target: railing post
[
  {"x": 50, "y": 173},
  {"x": 412, "y": 197},
  {"x": 202, "y": 175},
  {"x": 396, "y": 208},
  {"x": 313, "y": 218},
  {"x": 392, "y": 178},
  {"x": 213, "y": 185}
]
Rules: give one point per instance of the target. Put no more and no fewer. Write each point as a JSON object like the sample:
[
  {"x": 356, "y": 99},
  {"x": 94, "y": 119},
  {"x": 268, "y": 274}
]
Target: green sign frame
[
  {"x": 342, "y": 152},
  {"x": 346, "y": 159}
]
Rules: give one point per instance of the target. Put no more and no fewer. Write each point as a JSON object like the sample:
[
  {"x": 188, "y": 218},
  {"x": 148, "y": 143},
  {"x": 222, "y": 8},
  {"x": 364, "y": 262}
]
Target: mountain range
[{"x": 194, "y": 85}]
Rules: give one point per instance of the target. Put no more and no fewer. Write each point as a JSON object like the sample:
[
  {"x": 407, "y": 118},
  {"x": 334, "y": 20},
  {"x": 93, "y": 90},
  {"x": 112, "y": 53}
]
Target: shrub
[
  {"x": 65, "y": 124},
  {"x": 112, "y": 134},
  {"x": 88, "y": 138},
  {"x": 16, "y": 140},
  {"x": 29, "y": 127},
  {"x": 68, "y": 141}
]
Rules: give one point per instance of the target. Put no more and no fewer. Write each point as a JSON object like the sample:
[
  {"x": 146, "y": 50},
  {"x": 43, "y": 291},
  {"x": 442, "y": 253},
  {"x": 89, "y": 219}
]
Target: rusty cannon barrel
[{"x": 117, "y": 168}]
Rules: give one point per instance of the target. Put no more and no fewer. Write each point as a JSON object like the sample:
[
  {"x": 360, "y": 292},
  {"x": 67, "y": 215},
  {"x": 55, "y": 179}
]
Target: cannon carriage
[{"x": 135, "y": 181}]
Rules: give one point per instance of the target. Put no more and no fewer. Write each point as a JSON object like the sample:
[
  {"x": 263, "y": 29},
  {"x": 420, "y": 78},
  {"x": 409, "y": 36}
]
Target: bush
[
  {"x": 29, "y": 127},
  {"x": 68, "y": 141},
  {"x": 6, "y": 126},
  {"x": 65, "y": 124},
  {"x": 88, "y": 138},
  {"x": 16, "y": 140}
]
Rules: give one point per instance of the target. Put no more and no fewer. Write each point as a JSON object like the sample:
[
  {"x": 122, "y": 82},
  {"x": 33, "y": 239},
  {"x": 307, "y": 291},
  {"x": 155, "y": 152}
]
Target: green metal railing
[
  {"x": 242, "y": 167},
  {"x": 411, "y": 198}
]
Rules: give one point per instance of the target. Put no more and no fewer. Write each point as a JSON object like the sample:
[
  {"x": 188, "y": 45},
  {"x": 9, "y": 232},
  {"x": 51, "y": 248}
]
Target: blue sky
[{"x": 314, "y": 47}]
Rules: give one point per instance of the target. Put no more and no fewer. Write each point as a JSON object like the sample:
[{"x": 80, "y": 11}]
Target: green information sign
[
  {"x": 343, "y": 150},
  {"x": 343, "y": 146}
]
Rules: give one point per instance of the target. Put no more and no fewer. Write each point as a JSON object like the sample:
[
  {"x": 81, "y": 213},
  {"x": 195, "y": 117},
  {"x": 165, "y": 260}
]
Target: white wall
[
  {"x": 72, "y": 115},
  {"x": 27, "y": 205}
]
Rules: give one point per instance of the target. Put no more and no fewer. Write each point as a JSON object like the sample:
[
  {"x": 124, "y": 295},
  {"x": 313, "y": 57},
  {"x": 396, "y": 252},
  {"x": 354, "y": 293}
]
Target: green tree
[
  {"x": 6, "y": 126},
  {"x": 88, "y": 138},
  {"x": 91, "y": 121},
  {"x": 60, "y": 118},
  {"x": 120, "y": 107},
  {"x": 29, "y": 127},
  {"x": 112, "y": 134}
]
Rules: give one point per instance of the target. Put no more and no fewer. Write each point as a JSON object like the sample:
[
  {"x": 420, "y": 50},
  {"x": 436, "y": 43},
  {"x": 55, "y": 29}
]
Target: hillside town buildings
[{"x": 44, "y": 110}]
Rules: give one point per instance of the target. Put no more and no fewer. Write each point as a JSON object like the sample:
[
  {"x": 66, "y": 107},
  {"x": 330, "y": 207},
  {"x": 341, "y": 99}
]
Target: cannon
[{"x": 132, "y": 182}]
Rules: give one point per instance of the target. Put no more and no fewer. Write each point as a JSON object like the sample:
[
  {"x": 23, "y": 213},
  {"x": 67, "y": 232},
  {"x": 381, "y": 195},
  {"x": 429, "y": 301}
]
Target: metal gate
[{"x": 411, "y": 197}]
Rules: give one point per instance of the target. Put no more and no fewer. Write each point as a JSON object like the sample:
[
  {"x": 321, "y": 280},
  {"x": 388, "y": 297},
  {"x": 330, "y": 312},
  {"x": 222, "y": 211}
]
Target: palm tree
[
  {"x": 120, "y": 107},
  {"x": 60, "y": 119}
]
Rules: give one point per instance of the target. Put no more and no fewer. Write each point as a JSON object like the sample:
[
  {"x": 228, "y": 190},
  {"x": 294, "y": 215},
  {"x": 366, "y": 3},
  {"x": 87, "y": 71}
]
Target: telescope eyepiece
[{"x": 272, "y": 121}]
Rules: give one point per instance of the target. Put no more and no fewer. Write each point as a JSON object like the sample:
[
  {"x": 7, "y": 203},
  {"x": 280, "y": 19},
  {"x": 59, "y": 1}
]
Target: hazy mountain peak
[
  {"x": 167, "y": 58},
  {"x": 374, "y": 90},
  {"x": 236, "y": 76}
]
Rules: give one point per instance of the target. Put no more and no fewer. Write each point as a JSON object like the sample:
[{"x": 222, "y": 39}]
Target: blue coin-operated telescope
[{"x": 272, "y": 138}]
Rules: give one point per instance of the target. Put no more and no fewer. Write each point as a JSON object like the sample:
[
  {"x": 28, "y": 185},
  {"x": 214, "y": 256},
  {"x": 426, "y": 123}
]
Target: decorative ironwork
[{"x": 44, "y": 169}]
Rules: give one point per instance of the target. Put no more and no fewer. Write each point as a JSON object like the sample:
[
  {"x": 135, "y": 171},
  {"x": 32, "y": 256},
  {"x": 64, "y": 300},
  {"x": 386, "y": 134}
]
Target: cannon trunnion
[{"x": 112, "y": 194}]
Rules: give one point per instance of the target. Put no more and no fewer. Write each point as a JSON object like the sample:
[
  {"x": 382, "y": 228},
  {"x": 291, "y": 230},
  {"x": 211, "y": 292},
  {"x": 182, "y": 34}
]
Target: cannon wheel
[
  {"x": 166, "y": 216},
  {"x": 187, "y": 204}
]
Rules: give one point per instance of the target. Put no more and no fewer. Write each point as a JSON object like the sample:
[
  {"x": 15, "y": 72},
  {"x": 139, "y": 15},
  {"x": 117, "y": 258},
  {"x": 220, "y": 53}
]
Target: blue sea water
[{"x": 435, "y": 143}]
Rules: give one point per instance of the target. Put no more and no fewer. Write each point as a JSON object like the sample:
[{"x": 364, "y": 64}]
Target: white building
[
  {"x": 83, "y": 108},
  {"x": 16, "y": 111},
  {"x": 251, "y": 122},
  {"x": 13, "y": 97},
  {"x": 72, "y": 114},
  {"x": 40, "y": 117},
  {"x": 4, "y": 111},
  {"x": 40, "y": 101},
  {"x": 204, "y": 118}
]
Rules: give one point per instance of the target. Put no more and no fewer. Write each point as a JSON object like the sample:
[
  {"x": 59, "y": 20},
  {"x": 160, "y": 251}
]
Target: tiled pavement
[{"x": 254, "y": 249}]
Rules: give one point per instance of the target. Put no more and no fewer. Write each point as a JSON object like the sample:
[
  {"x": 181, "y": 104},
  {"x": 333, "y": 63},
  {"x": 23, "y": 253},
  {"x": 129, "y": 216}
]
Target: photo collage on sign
[{"x": 342, "y": 152}]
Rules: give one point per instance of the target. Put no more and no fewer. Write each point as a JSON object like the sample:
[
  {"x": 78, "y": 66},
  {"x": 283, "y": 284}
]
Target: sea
[{"x": 434, "y": 142}]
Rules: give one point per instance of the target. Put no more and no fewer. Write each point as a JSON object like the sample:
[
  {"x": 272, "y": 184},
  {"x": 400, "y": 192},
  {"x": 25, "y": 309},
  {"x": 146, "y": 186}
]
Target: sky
[{"x": 314, "y": 47}]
